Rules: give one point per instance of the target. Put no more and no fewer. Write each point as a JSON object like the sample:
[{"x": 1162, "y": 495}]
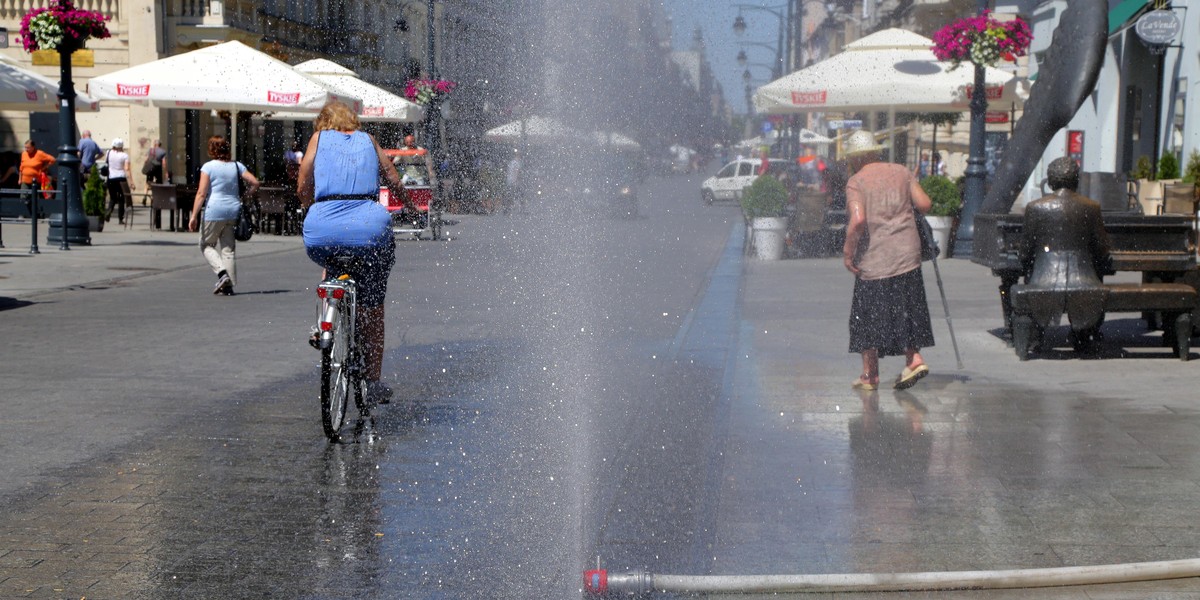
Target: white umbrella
[
  {"x": 22, "y": 89},
  {"x": 379, "y": 104},
  {"x": 533, "y": 129},
  {"x": 891, "y": 69},
  {"x": 230, "y": 76},
  {"x": 616, "y": 141},
  {"x": 813, "y": 138}
]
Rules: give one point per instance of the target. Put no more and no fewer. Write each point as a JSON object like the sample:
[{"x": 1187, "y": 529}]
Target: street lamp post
[
  {"x": 74, "y": 225},
  {"x": 976, "y": 173},
  {"x": 431, "y": 119}
]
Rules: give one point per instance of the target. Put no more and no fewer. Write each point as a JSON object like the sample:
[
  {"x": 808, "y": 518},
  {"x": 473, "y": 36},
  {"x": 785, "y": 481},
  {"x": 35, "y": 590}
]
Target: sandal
[
  {"x": 863, "y": 384},
  {"x": 910, "y": 377}
]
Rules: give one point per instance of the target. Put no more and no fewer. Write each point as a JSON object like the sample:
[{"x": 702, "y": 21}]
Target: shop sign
[
  {"x": 1158, "y": 27},
  {"x": 1075, "y": 146},
  {"x": 996, "y": 116},
  {"x": 845, "y": 124}
]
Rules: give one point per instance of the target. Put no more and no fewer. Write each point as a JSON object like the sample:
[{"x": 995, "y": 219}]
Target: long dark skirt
[{"x": 890, "y": 315}]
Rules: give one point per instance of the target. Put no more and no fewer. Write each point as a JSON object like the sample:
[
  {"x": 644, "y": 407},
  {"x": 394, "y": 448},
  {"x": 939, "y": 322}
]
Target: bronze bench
[{"x": 1176, "y": 302}]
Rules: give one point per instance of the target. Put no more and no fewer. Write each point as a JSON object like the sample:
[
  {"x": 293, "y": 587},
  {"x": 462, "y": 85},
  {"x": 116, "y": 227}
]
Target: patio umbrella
[
  {"x": 379, "y": 105},
  {"x": 893, "y": 68},
  {"x": 230, "y": 76},
  {"x": 22, "y": 89},
  {"x": 532, "y": 130},
  {"x": 813, "y": 138},
  {"x": 889, "y": 70}
]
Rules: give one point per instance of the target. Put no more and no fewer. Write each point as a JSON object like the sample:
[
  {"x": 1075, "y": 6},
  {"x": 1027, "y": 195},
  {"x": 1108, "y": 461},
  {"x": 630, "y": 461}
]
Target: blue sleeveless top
[{"x": 346, "y": 163}]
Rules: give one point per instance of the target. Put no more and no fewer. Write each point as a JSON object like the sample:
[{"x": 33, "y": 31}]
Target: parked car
[{"x": 734, "y": 178}]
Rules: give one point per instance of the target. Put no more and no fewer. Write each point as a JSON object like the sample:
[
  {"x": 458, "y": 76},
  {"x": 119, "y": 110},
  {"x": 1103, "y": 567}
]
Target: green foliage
[
  {"x": 1191, "y": 174},
  {"x": 1168, "y": 166},
  {"x": 1142, "y": 169},
  {"x": 93, "y": 194},
  {"x": 766, "y": 197},
  {"x": 947, "y": 200}
]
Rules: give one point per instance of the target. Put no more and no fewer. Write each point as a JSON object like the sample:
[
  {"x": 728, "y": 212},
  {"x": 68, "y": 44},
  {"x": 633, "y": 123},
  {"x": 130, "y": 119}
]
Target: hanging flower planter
[
  {"x": 61, "y": 25},
  {"x": 982, "y": 40},
  {"x": 424, "y": 91}
]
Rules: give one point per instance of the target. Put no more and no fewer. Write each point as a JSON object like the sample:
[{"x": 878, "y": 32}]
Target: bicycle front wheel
[{"x": 336, "y": 379}]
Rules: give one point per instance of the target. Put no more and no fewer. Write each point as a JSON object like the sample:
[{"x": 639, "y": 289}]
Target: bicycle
[{"x": 336, "y": 336}]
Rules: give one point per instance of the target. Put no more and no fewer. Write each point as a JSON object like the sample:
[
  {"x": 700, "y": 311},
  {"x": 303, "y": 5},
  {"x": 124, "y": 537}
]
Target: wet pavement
[{"x": 649, "y": 397}]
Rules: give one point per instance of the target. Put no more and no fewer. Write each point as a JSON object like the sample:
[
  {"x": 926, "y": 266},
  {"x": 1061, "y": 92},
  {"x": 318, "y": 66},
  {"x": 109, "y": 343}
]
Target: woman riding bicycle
[{"x": 339, "y": 185}]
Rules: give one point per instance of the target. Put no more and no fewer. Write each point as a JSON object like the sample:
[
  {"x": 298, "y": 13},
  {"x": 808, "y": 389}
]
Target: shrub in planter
[
  {"x": 1168, "y": 166},
  {"x": 1142, "y": 169},
  {"x": 93, "y": 194},
  {"x": 947, "y": 200},
  {"x": 1191, "y": 174},
  {"x": 766, "y": 197}
]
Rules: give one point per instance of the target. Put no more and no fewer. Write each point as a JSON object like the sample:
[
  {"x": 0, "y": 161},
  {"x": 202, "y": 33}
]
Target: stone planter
[
  {"x": 95, "y": 224},
  {"x": 768, "y": 235},
  {"x": 1150, "y": 196},
  {"x": 941, "y": 226}
]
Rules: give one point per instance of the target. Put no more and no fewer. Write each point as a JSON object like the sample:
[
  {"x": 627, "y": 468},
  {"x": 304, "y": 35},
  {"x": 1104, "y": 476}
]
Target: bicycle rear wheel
[{"x": 337, "y": 379}]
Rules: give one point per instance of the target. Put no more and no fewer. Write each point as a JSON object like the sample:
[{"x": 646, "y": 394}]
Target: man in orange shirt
[{"x": 34, "y": 163}]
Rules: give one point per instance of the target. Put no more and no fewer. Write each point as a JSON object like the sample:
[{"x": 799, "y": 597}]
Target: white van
[{"x": 734, "y": 178}]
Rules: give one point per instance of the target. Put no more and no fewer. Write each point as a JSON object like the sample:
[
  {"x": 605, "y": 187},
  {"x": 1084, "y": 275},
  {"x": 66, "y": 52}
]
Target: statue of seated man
[{"x": 1064, "y": 252}]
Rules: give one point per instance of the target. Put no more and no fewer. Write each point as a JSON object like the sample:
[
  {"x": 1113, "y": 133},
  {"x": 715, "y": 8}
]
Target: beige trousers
[{"x": 217, "y": 244}]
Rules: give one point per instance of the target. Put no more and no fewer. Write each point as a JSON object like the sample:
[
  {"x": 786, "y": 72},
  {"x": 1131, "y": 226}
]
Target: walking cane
[{"x": 946, "y": 307}]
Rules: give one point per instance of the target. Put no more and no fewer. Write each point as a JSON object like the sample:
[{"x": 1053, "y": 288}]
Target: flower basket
[
  {"x": 982, "y": 40},
  {"x": 424, "y": 91},
  {"x": 61, "y": 25}
]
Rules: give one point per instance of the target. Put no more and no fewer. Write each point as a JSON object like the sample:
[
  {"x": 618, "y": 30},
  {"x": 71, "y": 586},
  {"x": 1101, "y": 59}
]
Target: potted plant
[
  {"x": 93, "y": 200},
  {"x": 763, "y": 206},
  {"x": 1191, "y": 173},
  {"x": 1168, "y": 168},
  {"x": 947, "y": 201},
  {"x": 1149, "y": 191}
]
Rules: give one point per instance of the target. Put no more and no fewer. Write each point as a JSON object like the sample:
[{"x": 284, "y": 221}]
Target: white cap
[{"x": 118, "y": 143}]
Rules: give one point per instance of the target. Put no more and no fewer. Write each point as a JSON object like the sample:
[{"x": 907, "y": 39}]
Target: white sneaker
[{"x": 224, "y": 286}]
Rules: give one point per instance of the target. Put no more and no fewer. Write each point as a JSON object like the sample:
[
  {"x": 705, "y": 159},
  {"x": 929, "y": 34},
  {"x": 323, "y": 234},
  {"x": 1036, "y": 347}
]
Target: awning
[{"x": 1123, "y": 13}]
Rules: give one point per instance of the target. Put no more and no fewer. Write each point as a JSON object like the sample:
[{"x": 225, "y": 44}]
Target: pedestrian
[
  {"x": 291, "y": 160},
  {"x": 89, "y": 151},
  {"x": 513, "y": 178},
  {"x": 119, "y": 192},
  {"x": 34, "y": 164},
  {"x": 217, "y": 193},
  {"x": 889, "y": 315},
  {"x": 155, "y": 167},
  {"x": 937, "y": 166},
  {"x": 923, "y": 166},
  {"x": 339, "y": 184}
]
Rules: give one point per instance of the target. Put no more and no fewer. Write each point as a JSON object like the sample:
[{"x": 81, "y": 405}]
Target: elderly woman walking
[
  {"x": 889, "y": 315},
  {"x": 218, "y": 195}
]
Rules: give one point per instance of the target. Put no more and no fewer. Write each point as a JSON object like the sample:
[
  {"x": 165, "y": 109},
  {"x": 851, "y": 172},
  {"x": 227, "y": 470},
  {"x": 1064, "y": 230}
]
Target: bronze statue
[
  {"x": 1066, "y": 78},
  {"x": 1064, "y": 252}
]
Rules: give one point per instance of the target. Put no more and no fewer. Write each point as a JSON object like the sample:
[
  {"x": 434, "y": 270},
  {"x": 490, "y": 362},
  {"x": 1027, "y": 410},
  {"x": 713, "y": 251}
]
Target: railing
[{"x": 13, "y": 10}]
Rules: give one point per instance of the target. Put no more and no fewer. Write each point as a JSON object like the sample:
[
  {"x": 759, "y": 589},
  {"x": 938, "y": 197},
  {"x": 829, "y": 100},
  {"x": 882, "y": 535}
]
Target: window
[
  {"x": 745, "y": 169},
  {"x": 728, "y": 171}
]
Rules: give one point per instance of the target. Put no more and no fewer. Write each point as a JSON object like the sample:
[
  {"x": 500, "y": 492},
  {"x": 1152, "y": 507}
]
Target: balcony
[{"x": 11, "y": 11}]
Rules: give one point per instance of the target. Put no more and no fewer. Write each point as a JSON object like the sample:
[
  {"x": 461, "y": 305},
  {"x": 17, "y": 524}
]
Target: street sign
[
  {"x": 766, "y": 127},
  {"x": 845, "y": 124}
]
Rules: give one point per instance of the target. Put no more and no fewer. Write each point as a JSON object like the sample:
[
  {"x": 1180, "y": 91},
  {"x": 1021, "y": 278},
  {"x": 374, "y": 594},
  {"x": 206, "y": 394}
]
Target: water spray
[{"x": 600, "y": 583}]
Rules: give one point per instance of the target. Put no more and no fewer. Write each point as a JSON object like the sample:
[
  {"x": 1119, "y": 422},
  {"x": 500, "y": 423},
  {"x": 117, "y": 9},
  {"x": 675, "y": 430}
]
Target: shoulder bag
[
  {"x": 929, "y": 247},
  {"x": 244, "y": 229},
  {"x": 148, "y": 166},
  {"x": 104, "y": 167}
]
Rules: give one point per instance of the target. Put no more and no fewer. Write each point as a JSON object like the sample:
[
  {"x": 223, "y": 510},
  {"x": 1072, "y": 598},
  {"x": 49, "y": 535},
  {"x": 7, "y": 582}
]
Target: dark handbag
[
  {"x": 929, "y": 247},
  {"x": 104, "y": 167},
  {"x": 244, "y": 229},
  {"x": 148, "y": 166}
]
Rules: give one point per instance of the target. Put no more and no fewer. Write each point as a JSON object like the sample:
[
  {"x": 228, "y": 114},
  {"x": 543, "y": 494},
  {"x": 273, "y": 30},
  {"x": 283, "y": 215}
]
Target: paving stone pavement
[{"x": 1058, "y": 461}]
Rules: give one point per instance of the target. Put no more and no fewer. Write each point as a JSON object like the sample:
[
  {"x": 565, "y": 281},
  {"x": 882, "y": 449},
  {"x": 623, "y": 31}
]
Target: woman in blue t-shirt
[
  {"x": 339, "y": 185},
  {"x": 217, "y": 193}
]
